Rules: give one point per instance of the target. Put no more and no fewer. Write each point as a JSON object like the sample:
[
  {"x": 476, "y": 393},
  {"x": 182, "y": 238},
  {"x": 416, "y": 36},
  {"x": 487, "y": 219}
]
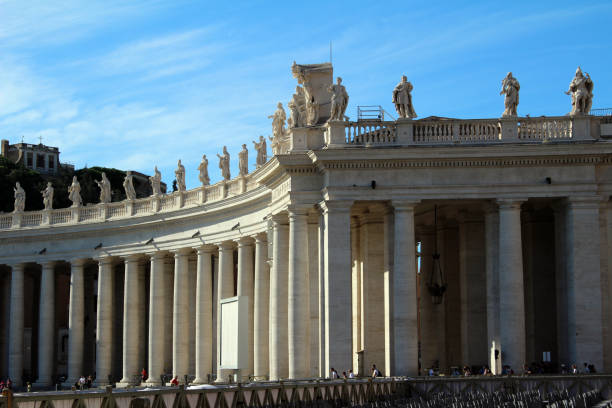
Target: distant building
[{"x": 41, "y": 158}]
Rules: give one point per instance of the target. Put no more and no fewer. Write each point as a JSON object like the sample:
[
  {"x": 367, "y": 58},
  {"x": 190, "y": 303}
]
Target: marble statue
[
  {"x": 262, "y": 152},
  {"x": 278, "y": 122},
  {"x": 312, "y": 107},
  {"x": 20, "y": 197},
  {"x": 155, "y": 181},
  {"x": 510, "y": 87},
  {"x": 243, "y": 161},
  {"x": 128, "y": 185},
  {"x": 296, "y": 108},
  {"x": 339, "y": 100},
  {"x": 47, "y": 195},
  {"x": 581, "y": 89},
  {"x": 179, "y": 174},
  {"x": 105, "y": 189},
  {"x": 224, "y": 164},
  {"x": 203, "y": 168},
  {"x": 403, "y": 99},
  {"x": 74, "y": 193}
]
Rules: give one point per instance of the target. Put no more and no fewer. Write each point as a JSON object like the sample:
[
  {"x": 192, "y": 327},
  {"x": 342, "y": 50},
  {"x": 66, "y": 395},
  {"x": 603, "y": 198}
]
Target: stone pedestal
[
  {"x": 335, "y": 134},
  {"x": 404, "y": 131},
  {"x": 581, "y": 127},
  {"x": 509, "y": 129},
  {"x": 298, "y": 138}
]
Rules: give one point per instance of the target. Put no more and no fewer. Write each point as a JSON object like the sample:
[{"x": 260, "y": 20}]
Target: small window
[
  {"x": 51, "y": 162},
  {"x": 40, "y": 161},
  {"x": 29, "y": 159}
]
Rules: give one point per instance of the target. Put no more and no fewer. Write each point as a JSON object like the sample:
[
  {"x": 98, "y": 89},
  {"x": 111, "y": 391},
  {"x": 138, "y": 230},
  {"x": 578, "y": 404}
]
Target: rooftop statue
[
  {"x": 297, "y": 108},
  {"x": 510, "y": 87},
  {"x": 179, "y": 174},
  {"x": 128, "y": 185},
  {"x": 262, "y": 151},
  {"x": 224, "y": 164},
  {"x": 155, "y": 181},
  {"x": 339, "y": 100},
  {"x": 278, "y": 127},
  {"x": 20, "y": 197},
  {"x": 313, "y": 104},
  {"x": 203, "y": 168},
  {"x": 243, "y": 161},
  {"x": 74, "y": 193},
  {"x": 581, "y": 89},
  {"x": 105, "y": 189},
  {"x": 403, "y": 99},
  {"x": 47, "y": 195}
]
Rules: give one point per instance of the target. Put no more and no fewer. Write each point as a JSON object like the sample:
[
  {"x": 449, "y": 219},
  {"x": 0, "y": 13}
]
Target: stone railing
[
  {"x": 128, "y": 208},
  {"x": 460, "y": 131},
  {"x": 315, "y": 393}
]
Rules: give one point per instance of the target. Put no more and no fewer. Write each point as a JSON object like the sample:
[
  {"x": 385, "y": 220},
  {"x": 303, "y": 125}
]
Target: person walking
[
  {"x": 333, "y": 374},
  {"x": 375, "y": 372}
]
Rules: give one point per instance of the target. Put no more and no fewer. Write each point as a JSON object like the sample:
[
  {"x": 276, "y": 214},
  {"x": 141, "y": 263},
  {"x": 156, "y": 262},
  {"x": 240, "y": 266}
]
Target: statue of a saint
[
  {"x": 203, "y": 167},
  {"x": 155, "y": 181},
  {"x": 47, "y": 195},
  {"x": 297, "y": 109},
  {"x": 74, "y": 193},
  {"x": 294, "y": 115},
  {"x": 262, "y": 152},
  {"x": 403, "y": 99},
  {"x": 312, "y": 106},
  {"x": 179, "y": 174},
  {"x": 224, "y": 164},
  {"x": 105, "y": 189},
  {"x": 20, "y": 197},
  {"x": 128, "y": 185},
  {"x": 510, "y": 87},
  {"x": 278, "y": 122},
  {"x": 581, "y": 89},
  {"x": 339, "y": 100},
  {"x": 243, "y": 161}
]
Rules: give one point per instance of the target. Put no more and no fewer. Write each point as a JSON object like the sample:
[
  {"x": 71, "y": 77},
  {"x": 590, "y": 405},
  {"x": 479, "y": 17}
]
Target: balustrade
[
  {"x": 143, "y": 206},
  {"x": 545, "y": 128},
  {"x": 117, "y": 210},
  {"x": 370, "y": 133}
]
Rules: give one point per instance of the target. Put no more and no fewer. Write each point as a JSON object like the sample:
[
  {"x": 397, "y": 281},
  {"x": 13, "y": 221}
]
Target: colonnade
[{"x": 318, "y": 292}]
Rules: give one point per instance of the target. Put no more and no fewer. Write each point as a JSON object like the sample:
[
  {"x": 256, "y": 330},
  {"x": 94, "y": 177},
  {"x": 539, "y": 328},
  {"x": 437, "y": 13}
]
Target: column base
[
  {"x": 199, "y": 381},
  {"x": 42, "y": 384},
  {"x": 125, "y": 385},
  {"x": 100, "y": 384},
  {"x": 151, "y": 384}
]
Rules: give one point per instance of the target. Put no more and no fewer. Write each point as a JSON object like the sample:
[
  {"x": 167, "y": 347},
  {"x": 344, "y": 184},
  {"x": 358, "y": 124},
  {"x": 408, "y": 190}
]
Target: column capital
[
  {"x": 585, "y": 201},
  {"x": 157, "y": 255},
  {"x": 279, "y": 218},
  {"x": 510, "y": 203},
  {"x": 226, "y": 246},
  {"x": 18, "y": 266},
  {"x": 404, "y": 205},
  {"x": 105, "y": 260},
  {"x": 206, "y": 249},
  {"x": 181, "y": 252},
  {"x": 78, "y": 262},
  {"x": 244, "y": 241},
  {"x": 261, "y": 238},
  {"x": 132, "y": 258},
  {"x": 298, "y": 210},
  {"x": 336, "y": 205},
  {"x": 48, "y": 264}
]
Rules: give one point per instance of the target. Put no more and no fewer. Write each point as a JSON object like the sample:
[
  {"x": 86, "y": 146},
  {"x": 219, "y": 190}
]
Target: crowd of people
[{"x": 528, "y": 369}]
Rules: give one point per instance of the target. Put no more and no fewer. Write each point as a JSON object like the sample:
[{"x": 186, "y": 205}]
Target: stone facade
[{"x": 323, "y": 241}]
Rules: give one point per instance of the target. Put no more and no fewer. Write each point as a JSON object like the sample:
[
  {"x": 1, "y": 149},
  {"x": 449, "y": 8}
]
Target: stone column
[
  {"x": 245, "y": 288},
  {"x": 279, "y": 367},
  {"x": 404, "y": 295},
  {"x": 130, "y": 321},
  {"x": 76, "y": 321},
  {"x": 15, "y": 361},
  {"x": 46, "y": 325},
  {"x": 356, "y": 286},
  {"x": 585, "y": 332},
  {"x": 388, "y": 231},
  {"x": 298, "y": 296},
  {"x": 261, "y": 307},
  {"x": 157, "y": 317},
  {"x": 492, "y": 265},
  {"x": 104, "y": 324},
  {"x": 180, "y": 315},
  {"x": 511, "y": 296},
  {"x": 313, "y": 277},
  {"x": 225, "y": 289},
  {"x": 337, "y": 261},
  {"x": 204, "y": 295}
]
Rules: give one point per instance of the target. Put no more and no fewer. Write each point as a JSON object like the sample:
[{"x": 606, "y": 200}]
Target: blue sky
[{"x": 134, "y": 84}]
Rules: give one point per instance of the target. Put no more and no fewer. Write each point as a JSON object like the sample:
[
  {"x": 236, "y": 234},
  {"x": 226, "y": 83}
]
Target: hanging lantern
[{"x": 436, "y": 284}]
